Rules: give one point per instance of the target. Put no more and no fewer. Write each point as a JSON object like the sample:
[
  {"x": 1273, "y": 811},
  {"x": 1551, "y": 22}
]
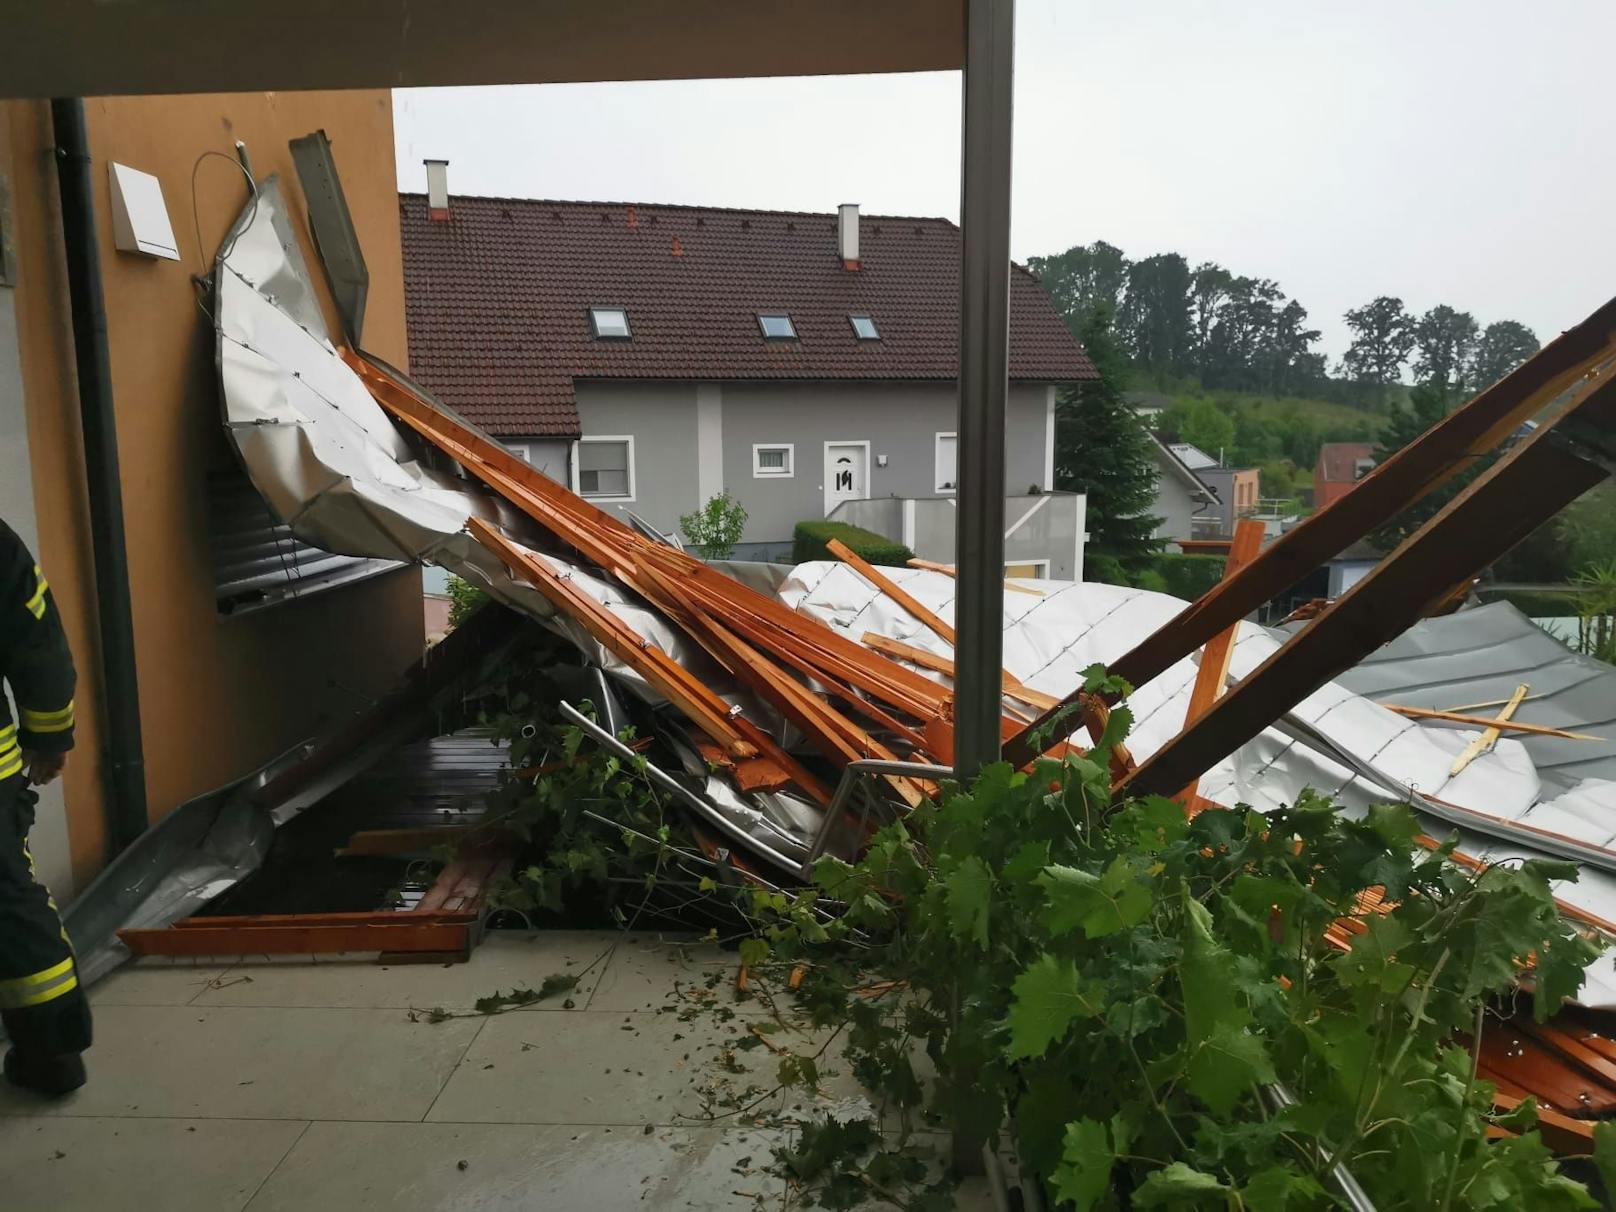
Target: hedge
[
  {"x": 809, "y": 539},
  {"x": 1183, "y": 576},
  {"x": 1187, "y": 576}
]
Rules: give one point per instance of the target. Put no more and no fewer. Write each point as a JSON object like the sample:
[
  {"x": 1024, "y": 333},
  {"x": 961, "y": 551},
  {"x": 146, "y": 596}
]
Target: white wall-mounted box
[{"x": 139, "y": 217}]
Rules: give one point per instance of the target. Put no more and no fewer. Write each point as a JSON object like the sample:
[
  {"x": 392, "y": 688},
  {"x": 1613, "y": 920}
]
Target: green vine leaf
[
  {"x": 1101, "y": 905},
  {"x": 1224, "y": 1067},
  {"x": 1047, "y": 998},
  {"x": 1084, "y": 1173},
  {"x": 1175, "y": 1185},
  {"x": 970, "y": 892}
]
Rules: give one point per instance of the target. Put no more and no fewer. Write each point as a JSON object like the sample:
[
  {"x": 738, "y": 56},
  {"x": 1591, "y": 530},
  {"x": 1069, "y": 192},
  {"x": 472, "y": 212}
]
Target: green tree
[
  {"x": 1382, "y": 339},
  {"x": 1427, "y": 404},
  {"x": 1081, "y": 277},
  {"x": 1444, "y": 344},
  {"x": 1502, "y": 346},
  {"x": 1201, "y": 423},
  {"x": 1103, "y": 449},
  {"x": 716, "y": 527},
  {"x": 1209, "y": 287},
  {"x": 1154, "y": 321}
]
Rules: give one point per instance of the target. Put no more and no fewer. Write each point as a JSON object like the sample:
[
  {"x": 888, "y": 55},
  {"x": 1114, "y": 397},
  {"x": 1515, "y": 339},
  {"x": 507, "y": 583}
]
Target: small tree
[
  {"x": 715, "y": 528},
  {"x": 464, "y": 599},
  {"x": 1103, "y": 449}
]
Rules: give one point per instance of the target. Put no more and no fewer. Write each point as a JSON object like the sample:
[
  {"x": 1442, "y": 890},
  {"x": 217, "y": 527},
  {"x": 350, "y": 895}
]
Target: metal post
[{"x": 983, "y": 379}]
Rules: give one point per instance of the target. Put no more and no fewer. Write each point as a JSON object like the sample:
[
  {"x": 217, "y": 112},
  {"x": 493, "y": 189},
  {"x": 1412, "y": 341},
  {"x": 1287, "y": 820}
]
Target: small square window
[
  {"x": 864, "y": 328},
  {"x": 777, "y": 327},
  {"x": 605, "y": 467},
  {"x": 610, "y": 322},
  {"x": 773, "y": 462}
]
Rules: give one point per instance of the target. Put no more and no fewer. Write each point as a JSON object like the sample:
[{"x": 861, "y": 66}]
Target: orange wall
[{"x": 218, "y": 696}]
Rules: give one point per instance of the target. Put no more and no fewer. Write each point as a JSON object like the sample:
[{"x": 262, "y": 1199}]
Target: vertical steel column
[{"x": 983, "y": 379}]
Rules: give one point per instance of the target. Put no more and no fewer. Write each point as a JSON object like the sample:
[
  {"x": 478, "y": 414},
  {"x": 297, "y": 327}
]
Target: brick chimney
[
  {"x": 437, "y": 189},
  {"x": 847, "y": 234}
]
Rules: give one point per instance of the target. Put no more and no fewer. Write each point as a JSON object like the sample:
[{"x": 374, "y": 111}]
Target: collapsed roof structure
[{"x": 781, "y": 690}]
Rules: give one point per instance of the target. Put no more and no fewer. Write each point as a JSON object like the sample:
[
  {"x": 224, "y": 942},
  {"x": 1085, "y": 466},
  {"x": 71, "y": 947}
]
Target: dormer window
[
  {"x": 777, "y": 327},
  {"x": 609, "y": 323}
]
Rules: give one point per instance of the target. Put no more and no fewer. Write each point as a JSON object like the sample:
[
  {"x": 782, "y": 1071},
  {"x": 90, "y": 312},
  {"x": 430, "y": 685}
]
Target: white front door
[{"x": 847, "y": 473}]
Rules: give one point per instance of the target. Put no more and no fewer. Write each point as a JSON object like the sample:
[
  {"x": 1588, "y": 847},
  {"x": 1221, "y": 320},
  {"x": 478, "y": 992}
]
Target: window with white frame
[
  {"x": 521, "y": 450},
  {"x": 776, "y": 461},
  {"x": 604, "y": 468},
  {"x": 947, "y": 463},
  {"x": 610, "y": 323}
]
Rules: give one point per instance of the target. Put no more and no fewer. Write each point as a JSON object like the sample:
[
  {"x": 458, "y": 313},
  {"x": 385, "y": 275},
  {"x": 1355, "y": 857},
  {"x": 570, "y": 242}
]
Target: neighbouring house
[
  {"x": 243, "y": 641},
  {"x": 1237, "y": 489},
  {"x": 1183, "y": 500},
  {"x": 1340, "y": 466},
  {"x": 653, "y": 356}
]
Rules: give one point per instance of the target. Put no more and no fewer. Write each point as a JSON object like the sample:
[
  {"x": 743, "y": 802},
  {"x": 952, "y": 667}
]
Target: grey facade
[
  {"x": 691, "y": 441},
  {"x": 1180, "y": 497}
]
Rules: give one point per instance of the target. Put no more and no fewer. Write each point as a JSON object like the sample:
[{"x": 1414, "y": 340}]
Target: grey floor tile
[
  {"x": 645, "y": 971},
  {"x": 505, "y": 961},
  {"x": 170, "y": 1164},
  {"x": 253, "y": 1063},
  {"x": 602, "y": 1067},
  {"x": 157, "y": 981},
  {"x": 494, "y": 1167}
]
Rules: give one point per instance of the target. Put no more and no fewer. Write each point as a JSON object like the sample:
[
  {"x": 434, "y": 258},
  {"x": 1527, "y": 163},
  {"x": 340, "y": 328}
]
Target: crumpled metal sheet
[
  {"x": 1050, "y": 641},
  {"x": 342, "y": 475}
]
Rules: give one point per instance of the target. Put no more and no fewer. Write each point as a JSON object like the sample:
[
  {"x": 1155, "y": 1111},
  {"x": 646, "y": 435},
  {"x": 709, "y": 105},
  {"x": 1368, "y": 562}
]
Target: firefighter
[{"x": 46, "y": 1015}]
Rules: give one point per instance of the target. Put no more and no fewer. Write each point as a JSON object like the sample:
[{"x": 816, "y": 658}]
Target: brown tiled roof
[
  {"x": 497, "y": 300},
  {"x": 1337, "y": 460}
]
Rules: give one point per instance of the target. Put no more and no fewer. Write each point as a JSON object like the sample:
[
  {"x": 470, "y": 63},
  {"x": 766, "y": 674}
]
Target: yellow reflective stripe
[
  {"x": 10, "y": 766},
  {"x": 36, "y": 978},
  {"x": 36, "y": 604},
  {"x": 22, "y": 996},
  {"x": 6, "y": 730},
  {"x": 47, "y": 721}
]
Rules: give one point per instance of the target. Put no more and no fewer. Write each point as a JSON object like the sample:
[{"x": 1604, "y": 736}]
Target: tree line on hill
[
  {"x": 1228, "y": 331},
  {"x": 1239, "y": 359}
]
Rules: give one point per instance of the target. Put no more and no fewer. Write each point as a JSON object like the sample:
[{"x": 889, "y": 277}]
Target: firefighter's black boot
[{"x": 51, "y": 1076}]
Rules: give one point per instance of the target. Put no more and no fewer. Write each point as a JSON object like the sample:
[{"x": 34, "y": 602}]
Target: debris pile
[{"x": 777, "y": 694}]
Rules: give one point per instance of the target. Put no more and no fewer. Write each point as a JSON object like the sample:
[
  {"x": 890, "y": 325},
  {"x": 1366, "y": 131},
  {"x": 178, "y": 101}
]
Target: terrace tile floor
[{"x": 315, "y": 1084}]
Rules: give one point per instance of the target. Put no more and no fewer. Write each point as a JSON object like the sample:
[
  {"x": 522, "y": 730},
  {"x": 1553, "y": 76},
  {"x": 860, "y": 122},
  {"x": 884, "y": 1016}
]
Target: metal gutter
[{"x": 126, "y": 766}]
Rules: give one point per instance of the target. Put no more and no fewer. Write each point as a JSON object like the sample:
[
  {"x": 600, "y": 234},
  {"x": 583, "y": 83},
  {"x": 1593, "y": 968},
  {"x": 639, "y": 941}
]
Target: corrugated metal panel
[
  {"x": 1481, "y": 655},
  {"x": 257, "y": 561}
]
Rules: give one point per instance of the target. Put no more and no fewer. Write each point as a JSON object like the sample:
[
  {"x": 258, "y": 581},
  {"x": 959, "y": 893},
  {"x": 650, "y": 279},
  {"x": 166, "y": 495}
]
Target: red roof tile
[
  {"x": 1339, "y": 460},
  {"x": 497, "y": 300}
]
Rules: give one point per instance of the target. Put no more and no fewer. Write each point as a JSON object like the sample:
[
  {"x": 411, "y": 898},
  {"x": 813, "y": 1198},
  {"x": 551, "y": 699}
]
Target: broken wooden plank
[
  {"x": 1213, "y": 673},
  {"x": 1437, "y": 455},
  {"x": 380, "y": 917},
  {"x": 948, "y": 570},
  {"x": 665, "y": 675},
  {"x": 1490, "y": 735},
  {"x": 301, "y": 940},
  {"x": 887, "y": 586},
  {"x": 1531, "y": 483},
  {"x": 1013, "y": 687},
  {"x": 1484, "y": 721}
]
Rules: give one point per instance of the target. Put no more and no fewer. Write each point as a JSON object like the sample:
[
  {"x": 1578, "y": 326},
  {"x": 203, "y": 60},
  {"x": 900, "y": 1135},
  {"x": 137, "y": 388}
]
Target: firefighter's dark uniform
[{"x": 45, "y": 1012}]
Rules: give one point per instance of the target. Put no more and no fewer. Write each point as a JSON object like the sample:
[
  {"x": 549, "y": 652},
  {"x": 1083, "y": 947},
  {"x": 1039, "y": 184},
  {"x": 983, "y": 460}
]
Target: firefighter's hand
[{"x": 43, "y": 767}]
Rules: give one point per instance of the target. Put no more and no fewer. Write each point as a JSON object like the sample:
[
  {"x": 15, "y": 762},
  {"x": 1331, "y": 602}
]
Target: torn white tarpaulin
[{"x": 1050, "y": 640}]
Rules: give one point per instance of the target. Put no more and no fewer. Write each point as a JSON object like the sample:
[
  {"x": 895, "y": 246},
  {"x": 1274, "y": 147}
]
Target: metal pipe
[
  {"x": 851, "y": 774},
  {"x": 983, "y": 379},
  {"x": 126, "y": 766},
  {"x": 672, "y": 785}
]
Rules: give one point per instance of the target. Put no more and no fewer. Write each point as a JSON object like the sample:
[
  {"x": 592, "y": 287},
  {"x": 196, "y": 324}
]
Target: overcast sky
[{"x": 1447, "y": 151}]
